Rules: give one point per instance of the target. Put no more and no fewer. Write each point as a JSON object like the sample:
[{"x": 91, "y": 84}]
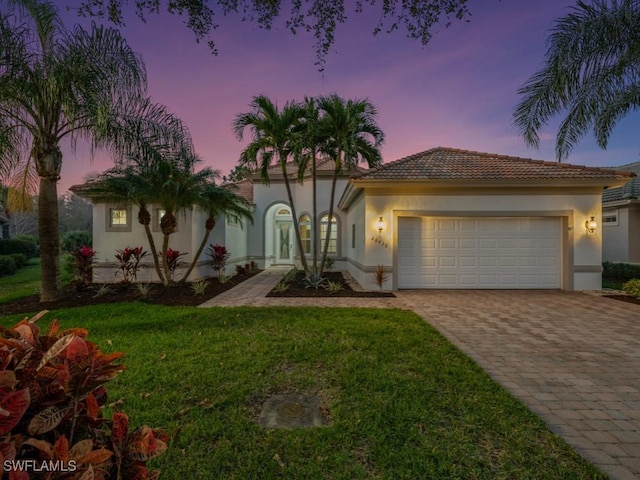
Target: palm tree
[
  {"x": 57, "y": 84},
  {"x": 216, "y": 201},
  {"x": 351, "y": 135},
  {"x": 273, "y": 138},
  {"x": 591, "y": 73}
]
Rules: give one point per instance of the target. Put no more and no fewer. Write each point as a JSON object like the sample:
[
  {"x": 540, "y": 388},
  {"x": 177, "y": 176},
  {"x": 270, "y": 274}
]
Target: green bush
[
  {"x": 632, "y": 287},
  {"x": 7, "y": 265},
  {"x": 74, "y": 240},
  {"x": 621, "y": 272},
  {"x": 20, "y": 259},
  {"x": 7, "y": 247}
]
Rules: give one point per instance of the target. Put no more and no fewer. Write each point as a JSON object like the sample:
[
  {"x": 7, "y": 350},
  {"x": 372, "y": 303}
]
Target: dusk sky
[{"x": 459, "y": 91}]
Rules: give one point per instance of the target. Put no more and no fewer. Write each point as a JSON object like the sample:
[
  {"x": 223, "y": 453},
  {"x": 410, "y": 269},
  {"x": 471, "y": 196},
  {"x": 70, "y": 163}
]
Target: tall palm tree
[
  {"x": 273, "y": 139},
  {"x": 591, "y": 74},
  {"x": 215, "y": 201},
  {"x": 57, "y": 83},
  {"x": 351, "y": 135}
]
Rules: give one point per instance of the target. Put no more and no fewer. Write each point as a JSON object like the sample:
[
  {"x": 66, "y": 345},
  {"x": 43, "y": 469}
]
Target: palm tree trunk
[
  {"x": 205, "y": 239},
  {"x": 144, "y": 218},
  {"x": 314, "y": 220},
  {"x": 328, "y": 235},
  {"x": 51, "y": 286},
  {"x": 165, "y": 264},
  {"x": 296, "y": 227},
  {"x": 48, "y": 160}
]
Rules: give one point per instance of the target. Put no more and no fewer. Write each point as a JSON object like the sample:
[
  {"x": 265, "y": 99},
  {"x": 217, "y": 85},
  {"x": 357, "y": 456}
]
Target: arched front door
[{"x": 283, "y": 243}]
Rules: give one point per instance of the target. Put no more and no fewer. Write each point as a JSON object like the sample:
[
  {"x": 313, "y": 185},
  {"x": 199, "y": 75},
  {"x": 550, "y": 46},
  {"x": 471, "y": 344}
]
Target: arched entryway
[{"x": 279, "y": 235}]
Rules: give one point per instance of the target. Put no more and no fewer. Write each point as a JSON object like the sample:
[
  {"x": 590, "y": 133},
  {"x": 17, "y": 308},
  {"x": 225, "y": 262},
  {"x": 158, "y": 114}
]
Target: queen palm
[
  {"x": 56, "y": 84},
  {"x": 591, "y": 74},
  {"x": 350, "y": 135},
  {"x": 273, "y": 132}
]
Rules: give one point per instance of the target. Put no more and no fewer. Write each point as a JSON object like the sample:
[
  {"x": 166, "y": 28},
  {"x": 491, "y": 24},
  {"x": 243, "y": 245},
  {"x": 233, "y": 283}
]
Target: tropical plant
[
  {"x": 102, "y": 290},
  {"x": 590, "y": 73},
  {"x": 144, "y": 289},
  {"x": 199, "y": 287},
  {"x": 351, "y": 135},
  {"x": 314, "y": 280},
  {"x": 83, "y": 258},
  {"x": 53, "y": 398},
  {"x": 172, "y": 259},
  {"x": 281, "y": 287},
  {"x": 57, "y": 84},
  {"x": 129, "y": 263},
  {"x": 380, "y": 276},
  {"x": 273, "y": 132},
  {"x": 334, "y": 287},
  {"x": 218, "y": 255}
]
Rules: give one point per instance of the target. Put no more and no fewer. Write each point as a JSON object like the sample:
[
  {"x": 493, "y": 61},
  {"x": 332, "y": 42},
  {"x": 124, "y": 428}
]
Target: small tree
[{"x": 83, "y": 260}]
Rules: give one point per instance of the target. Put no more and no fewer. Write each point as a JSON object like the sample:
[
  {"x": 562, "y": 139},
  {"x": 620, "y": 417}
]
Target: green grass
[
  {"x": 26, "y": 281},
  {"x": 612, "y": 284},
  {"x": 404, "y": 403}
]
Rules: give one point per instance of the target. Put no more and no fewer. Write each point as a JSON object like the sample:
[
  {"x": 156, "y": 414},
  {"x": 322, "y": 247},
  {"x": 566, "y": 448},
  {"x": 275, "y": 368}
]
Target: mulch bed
[
  {"x": 175, "y": 295},
  {"x": 624, "y": 298},
  {"x": 297, "y": 288}
]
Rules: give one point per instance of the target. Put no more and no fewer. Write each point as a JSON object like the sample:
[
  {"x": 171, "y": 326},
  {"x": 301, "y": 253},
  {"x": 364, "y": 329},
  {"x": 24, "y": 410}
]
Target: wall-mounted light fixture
[
  {"x": 591, "y": 225},
  {"x": 380, "y": 225}
]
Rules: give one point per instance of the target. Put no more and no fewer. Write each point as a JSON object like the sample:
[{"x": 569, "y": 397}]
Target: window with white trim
[
  {"x": 305, "y": 232},
  {"x": 333, "y": 238},
  {"x": 118, "y": 218}
]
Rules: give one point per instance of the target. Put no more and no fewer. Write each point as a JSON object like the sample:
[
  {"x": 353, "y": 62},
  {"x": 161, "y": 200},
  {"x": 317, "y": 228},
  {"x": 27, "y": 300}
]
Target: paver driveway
[{"x": 573, "y": 358}]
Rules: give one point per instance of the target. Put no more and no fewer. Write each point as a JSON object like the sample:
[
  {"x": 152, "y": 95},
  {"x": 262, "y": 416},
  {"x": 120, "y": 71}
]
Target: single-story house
[
  {"x": 443, "y": 218},
  {"x": 621, "y": 219}
]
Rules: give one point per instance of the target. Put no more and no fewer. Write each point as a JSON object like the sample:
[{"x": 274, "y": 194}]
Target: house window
[
  {"x": 118, "y": 219},
  {"x": 609, "y": 219},
  {"x": 333, "y": 239},
  {"x": 159, "y": 214},
  {"x": 353, "y": 235},
  {"x": 305, "y": 232}
]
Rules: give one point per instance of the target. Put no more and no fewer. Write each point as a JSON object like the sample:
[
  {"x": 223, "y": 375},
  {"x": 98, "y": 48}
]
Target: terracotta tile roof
[
  {"x": 453, "y": 164},
  {"x": 629, "y": 191},
  {"x": 243, "y": 188},
  {"x": 323, "y": 166}
]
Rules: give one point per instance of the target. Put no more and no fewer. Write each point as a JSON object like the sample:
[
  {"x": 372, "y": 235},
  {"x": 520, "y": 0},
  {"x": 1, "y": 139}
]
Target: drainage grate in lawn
[{"x": 292, "y": 411}]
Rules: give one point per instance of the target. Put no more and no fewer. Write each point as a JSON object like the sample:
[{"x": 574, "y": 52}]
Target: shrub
[
  {"x": 129, "y": 263},
  {"x": 199, "y": 287},
  {"x": 632, "y": 287},
  {"x": 621, "y": 272},
  {"x": 333, "y": 287},
  {"x": 53, "y": 398},
  {"x": 7, "y": 265},
  {"x": 314, "y": 280},
  {"x": 219, "y": 256},
  {"x": 83, "y": 258},
  {"x": 281, "y": 287},
  {"x": 20, "y": 259},
  {"x": 173, "y": 260},
  {"x": 28, "y": 248},
  {"x": 75, "y": 239},
  {"x": 240, "y": 269}
]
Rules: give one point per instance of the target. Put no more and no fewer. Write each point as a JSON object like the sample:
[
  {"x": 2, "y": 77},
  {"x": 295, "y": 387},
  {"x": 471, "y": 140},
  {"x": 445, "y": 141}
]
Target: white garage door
[{"x": 440, "y": 252}]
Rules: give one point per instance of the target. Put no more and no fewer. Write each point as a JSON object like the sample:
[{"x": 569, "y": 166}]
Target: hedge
[
  {"x": 620, "y": 272},
  {"x": 7, "y": 265},
  {"x": 7, "y": 247}
]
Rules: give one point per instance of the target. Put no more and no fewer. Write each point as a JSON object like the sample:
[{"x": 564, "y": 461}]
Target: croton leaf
[
  {"x": 81, "y": 448},
  {"x": 61, "y": 449},
  {"x": 47, "y": 420},
  {"x": 18, "y": 475},
  {"x": 77, "y": 349},
  {"x": 56, "y": 350},
  {"x": 88, "y": 474},
  {"x": 97, "y": 456},
  {"x": 119, "y": 427},
  {"x": 13, "y": 404},
  {"x": 8, "y": 379},
  {"x": 93, "y": 409},
  {"x": 45, "y": 447}
]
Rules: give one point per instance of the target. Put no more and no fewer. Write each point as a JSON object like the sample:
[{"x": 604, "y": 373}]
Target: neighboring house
[
  {"x": 444, "y": 218},
  {"x": 621, "y": 219}
]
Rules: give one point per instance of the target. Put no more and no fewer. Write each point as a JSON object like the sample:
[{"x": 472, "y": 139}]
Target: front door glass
[{"x": 284, "y": 243}]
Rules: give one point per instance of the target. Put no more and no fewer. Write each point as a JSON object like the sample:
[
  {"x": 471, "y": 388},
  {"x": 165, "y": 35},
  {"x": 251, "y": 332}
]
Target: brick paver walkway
[{"x": 572, "y": 358}]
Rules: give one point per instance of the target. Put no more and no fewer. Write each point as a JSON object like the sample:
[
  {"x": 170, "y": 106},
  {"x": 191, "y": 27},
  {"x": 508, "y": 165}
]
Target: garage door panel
[{"x": 479, "y": 252}]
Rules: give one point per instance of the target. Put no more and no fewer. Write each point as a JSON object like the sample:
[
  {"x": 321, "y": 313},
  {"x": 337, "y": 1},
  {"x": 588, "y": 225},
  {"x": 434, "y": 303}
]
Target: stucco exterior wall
[
  {"x": 634, "y": 233},
  {"x": 582, "y": 252},
  {"x": 615, "y": 238}
]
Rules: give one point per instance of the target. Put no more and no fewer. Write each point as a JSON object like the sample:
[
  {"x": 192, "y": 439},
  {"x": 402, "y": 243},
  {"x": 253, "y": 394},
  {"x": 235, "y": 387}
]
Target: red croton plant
[{"x": 52, "y": 396}]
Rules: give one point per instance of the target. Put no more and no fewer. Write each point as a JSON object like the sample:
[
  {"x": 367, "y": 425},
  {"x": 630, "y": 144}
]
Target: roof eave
[{"x": 534, "y": 182}]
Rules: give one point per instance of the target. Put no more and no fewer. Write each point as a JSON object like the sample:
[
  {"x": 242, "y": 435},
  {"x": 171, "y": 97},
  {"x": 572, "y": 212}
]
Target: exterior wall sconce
[
  {"x": 380, "y": 227},
  {"x": 591, "y": 225}
]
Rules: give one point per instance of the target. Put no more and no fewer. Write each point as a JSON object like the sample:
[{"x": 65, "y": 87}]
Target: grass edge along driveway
[{"x": 403, "y": 401}]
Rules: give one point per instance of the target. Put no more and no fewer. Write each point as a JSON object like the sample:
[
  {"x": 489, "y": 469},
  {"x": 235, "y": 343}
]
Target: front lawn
[{"x": 403, "y": 402}]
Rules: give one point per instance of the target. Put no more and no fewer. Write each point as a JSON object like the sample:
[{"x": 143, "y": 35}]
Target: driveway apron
[{"x": 572, "y": 358}]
